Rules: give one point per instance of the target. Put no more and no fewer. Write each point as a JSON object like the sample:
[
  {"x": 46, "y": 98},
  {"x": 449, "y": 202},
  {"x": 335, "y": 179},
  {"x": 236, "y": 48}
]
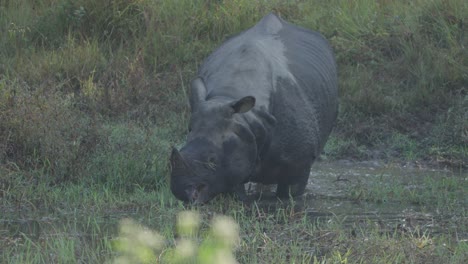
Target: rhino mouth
[
  {"x": 193, "y": 194},
  {"x": 197, "y": 194},
  {"x": 182, "y": 172}
]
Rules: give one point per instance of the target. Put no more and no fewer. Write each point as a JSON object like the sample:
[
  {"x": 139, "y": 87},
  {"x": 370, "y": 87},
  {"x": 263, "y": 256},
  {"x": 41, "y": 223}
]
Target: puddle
[{"x": 333, "y": 196}]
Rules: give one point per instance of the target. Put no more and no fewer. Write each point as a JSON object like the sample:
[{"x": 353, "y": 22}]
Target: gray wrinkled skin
[{"x": 263, "y": 106}]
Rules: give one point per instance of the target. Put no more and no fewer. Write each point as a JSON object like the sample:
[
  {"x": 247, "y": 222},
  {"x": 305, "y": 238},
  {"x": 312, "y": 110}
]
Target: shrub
[{"x": 42, "y": 131}]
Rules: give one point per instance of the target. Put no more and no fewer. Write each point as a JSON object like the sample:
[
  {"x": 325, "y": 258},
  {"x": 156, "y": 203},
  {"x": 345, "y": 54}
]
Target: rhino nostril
[{"x": 194, "y": 192}]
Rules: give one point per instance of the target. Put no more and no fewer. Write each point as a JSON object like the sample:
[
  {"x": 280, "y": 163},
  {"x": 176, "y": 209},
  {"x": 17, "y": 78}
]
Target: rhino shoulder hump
[{"x": 271, "y": 24}]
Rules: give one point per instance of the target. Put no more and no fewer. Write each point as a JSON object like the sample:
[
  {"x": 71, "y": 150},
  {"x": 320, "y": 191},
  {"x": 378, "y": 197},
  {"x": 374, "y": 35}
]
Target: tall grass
[{"x": 97, "y": 90}]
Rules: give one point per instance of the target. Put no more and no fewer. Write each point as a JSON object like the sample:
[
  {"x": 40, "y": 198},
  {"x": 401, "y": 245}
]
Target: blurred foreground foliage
[{"x": 138, "y": 244}]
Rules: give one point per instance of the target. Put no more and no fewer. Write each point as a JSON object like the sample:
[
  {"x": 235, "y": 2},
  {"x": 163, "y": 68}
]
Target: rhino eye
[
  {"x": 212, "y": 159},
  {"x": 211, "y": 162}
]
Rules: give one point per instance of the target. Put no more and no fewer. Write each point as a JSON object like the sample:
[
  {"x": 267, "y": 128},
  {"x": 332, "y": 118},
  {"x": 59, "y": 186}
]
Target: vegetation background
[{"x": 94, "y": 93}]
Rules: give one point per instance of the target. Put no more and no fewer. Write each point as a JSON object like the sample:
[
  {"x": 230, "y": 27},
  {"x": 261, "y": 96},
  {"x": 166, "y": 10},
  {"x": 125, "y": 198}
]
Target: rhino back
[
  {"x": 290, "y": 70},
  {"x": 248, "y": 63},
  {"x": 312, "y": 97}
]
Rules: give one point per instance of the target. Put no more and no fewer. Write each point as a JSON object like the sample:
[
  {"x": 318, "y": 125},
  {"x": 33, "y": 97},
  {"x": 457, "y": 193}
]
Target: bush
[
  {"x": 42, "y": 131},
  {"x": 117, "y": 22}
]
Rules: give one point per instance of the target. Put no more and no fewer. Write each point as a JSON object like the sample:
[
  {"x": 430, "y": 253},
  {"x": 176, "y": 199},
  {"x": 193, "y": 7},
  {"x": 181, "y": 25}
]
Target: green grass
[
  {"x": 445, "y": 192},
  {"x": 93, "y": 95},
  {"x": 81, "y": 227}
]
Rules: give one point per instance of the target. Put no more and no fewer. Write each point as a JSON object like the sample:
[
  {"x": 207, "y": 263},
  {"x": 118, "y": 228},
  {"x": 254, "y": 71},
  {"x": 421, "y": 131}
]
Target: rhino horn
[
  {"x": 198, "y": 93},
  {"x": 178, "y": 163}
]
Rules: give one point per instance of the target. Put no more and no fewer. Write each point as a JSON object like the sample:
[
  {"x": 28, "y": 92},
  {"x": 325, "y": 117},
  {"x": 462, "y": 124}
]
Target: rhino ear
[
  {"x": 198, "y": 93},
  {"x": 243, "y": 105}
]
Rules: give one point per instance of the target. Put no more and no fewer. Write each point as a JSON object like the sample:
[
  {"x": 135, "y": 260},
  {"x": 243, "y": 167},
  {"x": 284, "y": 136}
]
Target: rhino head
[{"x": 220, "y": 152}]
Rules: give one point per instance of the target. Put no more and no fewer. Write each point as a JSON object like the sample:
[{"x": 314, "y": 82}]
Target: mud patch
[{"x": 389, "y": 198}]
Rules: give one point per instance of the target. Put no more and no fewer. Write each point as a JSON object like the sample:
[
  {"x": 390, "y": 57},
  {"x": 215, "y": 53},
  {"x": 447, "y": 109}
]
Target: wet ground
[
  {"x": 357, "y": 195},
  {"x": 405, "y": 198}
]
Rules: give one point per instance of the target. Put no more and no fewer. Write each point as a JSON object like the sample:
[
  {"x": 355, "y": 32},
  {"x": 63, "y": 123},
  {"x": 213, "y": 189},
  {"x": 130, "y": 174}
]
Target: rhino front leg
[
  {"x": 285, "y": 188},
  {"x": 239, "y": 192}
]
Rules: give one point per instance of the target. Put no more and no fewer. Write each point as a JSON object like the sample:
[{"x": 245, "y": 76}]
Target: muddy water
[{"x": 404, "y": 198}]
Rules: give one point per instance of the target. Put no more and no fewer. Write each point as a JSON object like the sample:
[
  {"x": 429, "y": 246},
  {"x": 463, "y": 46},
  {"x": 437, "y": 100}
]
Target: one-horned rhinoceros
[{"x": 262, "y": 108}]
